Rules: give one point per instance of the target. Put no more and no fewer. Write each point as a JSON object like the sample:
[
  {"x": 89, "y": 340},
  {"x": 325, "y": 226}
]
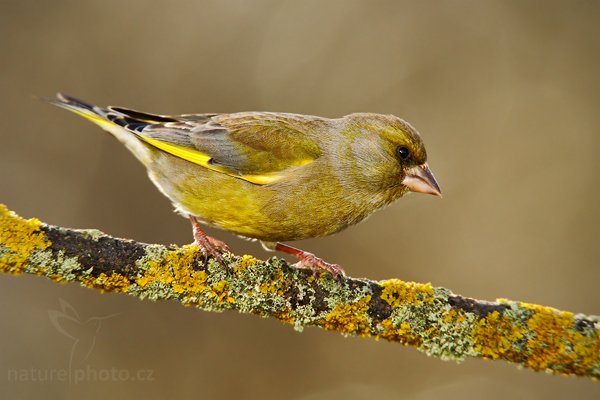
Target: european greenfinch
[{"x": 270, "y": 176}]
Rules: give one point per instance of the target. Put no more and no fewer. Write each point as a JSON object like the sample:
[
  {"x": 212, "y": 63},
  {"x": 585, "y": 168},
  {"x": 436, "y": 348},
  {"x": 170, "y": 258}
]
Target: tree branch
[{"x": 432, "y": 319}]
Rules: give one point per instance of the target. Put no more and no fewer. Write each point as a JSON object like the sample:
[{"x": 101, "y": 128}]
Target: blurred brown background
[{"x": 505, "y": 93}]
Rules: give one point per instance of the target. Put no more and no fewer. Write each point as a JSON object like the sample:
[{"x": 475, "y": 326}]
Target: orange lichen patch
[
  {"x": 267, "y": 287},
  {"x": 349, "y": 318},
  {"x": 220, "y": 290},
  {"x": 37, "y": 270},
  {"x": 18, "y": 238},
  {"x": 454, "y": 316},
  {"x": 556, "y": 344},
  {"x": 496, "y": 335},
  {"x": 396, "y": 292},
  {"x": 176, "y": 270},
  {"x": 57, "y": 278},
  {"x": 402, "y": 333},
  {"x": 286, "y": 317},
  {"x": 388, "y": 328},
  {"x": 244, "y": 262},
  {"x": 588, "y": 353},
  {"x": 107, "y": 283}
]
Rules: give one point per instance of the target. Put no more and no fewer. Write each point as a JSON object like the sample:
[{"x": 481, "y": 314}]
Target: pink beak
[{"x": 421, "y": 179}]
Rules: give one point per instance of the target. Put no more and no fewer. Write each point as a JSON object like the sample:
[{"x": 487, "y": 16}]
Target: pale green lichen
[
  {"x": 55, "y": 265},
  {"x": 422, "y": 318},
  {"x": 153, "y": 253},
  {"x": 595, "y": 370},
  {"x": 260, "y": 288},
  {"x": 303, "y": 316},
  {"x": 93, "y": 234}
]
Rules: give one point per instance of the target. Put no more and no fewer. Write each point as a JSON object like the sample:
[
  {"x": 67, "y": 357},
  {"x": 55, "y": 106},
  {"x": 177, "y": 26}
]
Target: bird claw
[
  {"x": 316, "y": 264},
  {"x": 209, "y": 245},
  {"x": 219, "y": 245},
  {"x": 212, "y": 247}
]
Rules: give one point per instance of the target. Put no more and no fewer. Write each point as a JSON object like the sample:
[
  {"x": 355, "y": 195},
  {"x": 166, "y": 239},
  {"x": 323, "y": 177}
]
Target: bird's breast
[{"x": 311, "y": 201}]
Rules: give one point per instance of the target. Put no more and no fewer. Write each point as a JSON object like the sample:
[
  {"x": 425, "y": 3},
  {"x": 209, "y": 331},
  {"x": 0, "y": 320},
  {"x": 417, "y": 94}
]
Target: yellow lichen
[
  {"x": 285, "y": 317},
  {"x": 546, "y": 339},
  {"x": 555, "y": 342},
  {"x": 454, "y": 316},
  {"x": 176, "y": 270},
  {"x": 396, "y": 292},
  {"x": 404, "y": 328},
  {"x": 244, "y": 262},
  {"x": 220, "y": 290},
  {"x": 18, "y": 238},
  {"x": 402, "y": 333},
  {"x": 107, "y": 283},
  {"x": 267, "y": 287},
  {"x": 494, "y": 336},
  {"x": 349, "y": 318},
  {"x": 57, "y": 278}
]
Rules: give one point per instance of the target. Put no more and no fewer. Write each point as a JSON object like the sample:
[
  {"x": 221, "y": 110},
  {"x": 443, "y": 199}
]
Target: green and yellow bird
[{"x": 269, "y": 176}]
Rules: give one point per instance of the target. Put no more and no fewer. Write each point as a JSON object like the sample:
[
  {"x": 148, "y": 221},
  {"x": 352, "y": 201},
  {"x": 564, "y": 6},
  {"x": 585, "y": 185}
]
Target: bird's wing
[{"x": 257, "y": 147}]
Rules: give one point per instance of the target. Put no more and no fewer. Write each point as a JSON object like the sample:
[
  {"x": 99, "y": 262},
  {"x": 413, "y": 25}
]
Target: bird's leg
[
  {"x": 310, "y": 261},
  {"x": 209, "y": 245}
]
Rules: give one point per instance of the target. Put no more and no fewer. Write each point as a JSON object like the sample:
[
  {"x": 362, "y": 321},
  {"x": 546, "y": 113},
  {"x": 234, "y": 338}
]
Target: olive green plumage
[{"x": 272, "y": 176}]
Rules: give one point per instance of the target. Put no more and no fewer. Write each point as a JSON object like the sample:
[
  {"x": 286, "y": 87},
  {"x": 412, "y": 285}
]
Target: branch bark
[{"x": 431, "y": 319}]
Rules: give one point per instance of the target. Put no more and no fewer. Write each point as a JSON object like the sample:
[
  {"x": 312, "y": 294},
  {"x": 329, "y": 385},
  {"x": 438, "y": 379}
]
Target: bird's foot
[
  {"x": 308, "y": 260},
  {"x": 208, "y": 244},
  {"x": 212, "y": 247},
  {"x": 316, "y": 264}
]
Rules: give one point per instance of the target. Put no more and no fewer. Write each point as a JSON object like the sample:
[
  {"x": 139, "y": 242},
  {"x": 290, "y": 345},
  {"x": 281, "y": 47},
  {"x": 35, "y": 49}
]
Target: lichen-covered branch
[{"x": 432, "y": 319}]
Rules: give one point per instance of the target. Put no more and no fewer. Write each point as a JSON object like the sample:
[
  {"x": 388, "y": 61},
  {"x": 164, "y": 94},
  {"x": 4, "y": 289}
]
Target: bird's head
[{"x": 398, "y": 155}]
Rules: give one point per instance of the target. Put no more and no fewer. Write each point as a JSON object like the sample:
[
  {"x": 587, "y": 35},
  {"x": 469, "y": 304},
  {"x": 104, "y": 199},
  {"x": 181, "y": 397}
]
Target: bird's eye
[{"x": 402, "y": 152}]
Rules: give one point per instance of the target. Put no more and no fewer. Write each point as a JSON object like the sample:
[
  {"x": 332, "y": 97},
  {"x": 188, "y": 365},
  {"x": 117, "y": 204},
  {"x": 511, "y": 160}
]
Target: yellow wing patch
[
  {"x": 91, "y": 116},
  {"x": 202, "y": 159}
]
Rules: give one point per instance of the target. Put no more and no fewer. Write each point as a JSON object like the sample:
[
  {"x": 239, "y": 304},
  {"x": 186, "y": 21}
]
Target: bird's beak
[{"x": 420, "y": 179}]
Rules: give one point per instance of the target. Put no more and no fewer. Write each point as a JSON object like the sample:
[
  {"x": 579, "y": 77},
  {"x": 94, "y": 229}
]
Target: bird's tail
[
  {"x": 88, "y": 111},
  {"x": 108, "y": 120}
]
